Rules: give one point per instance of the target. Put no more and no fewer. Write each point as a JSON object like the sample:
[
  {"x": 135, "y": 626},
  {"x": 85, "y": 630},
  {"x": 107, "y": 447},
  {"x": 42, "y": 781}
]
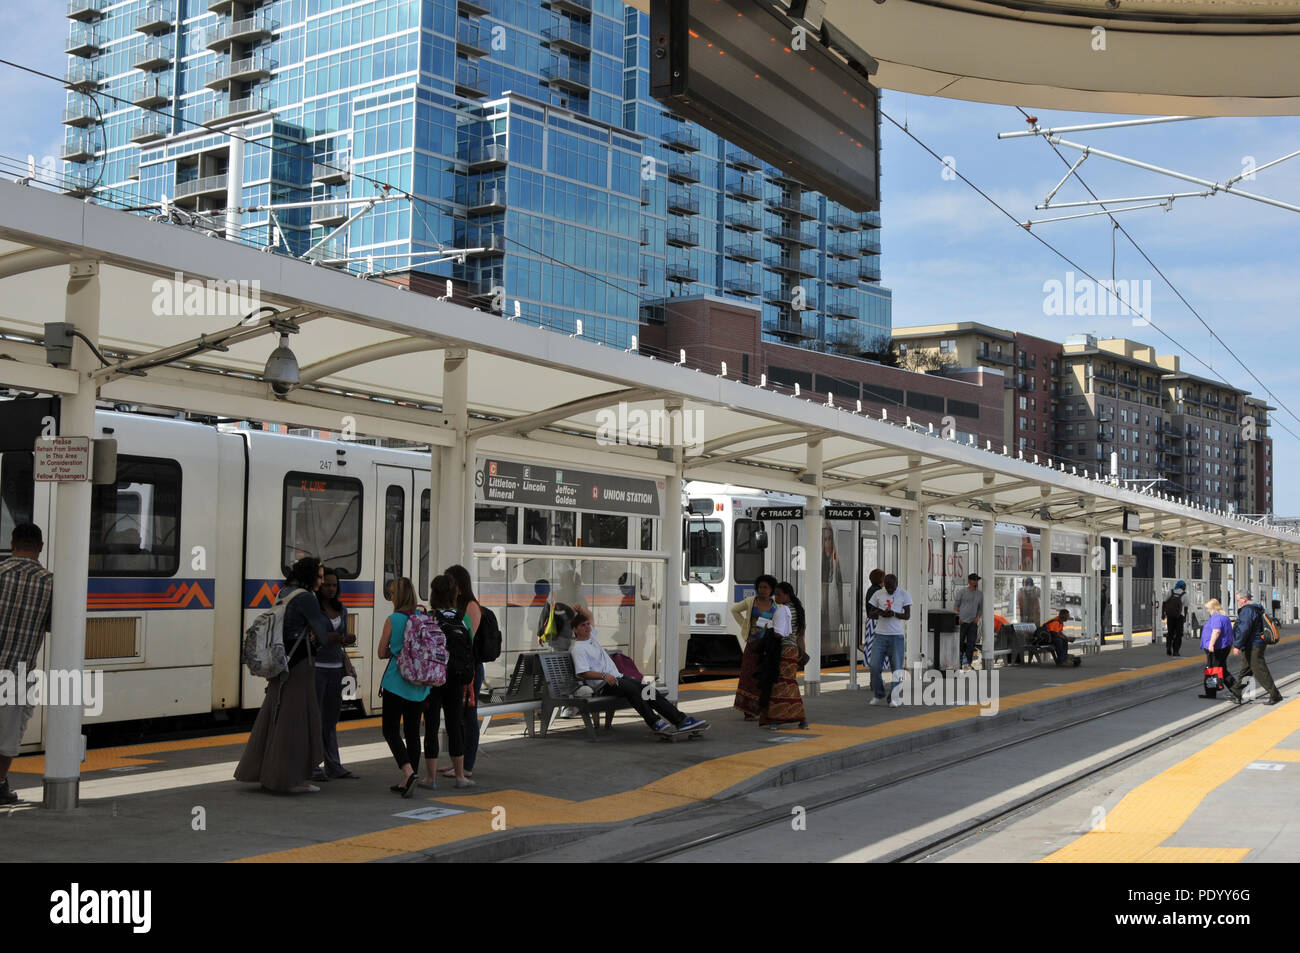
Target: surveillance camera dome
[{"x": 282, "y": 369}]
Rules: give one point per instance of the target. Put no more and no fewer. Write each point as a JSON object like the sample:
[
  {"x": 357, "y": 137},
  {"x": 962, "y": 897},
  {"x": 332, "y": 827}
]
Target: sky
[{"x": 951, "y": 256}]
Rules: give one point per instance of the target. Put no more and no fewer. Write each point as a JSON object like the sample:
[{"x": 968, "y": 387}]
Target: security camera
[{"x": 282, "y": 369}]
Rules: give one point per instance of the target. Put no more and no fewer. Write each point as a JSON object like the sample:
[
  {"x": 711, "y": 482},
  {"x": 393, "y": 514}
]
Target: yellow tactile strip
[
  {"x": 1154, "y": 811},
  {"x": 698, "y": 782}
]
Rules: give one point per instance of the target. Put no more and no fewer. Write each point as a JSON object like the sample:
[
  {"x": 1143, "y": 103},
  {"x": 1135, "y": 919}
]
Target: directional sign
[
  {"x": 779, "y": 513},
  {"x": 849, "y": 513}
]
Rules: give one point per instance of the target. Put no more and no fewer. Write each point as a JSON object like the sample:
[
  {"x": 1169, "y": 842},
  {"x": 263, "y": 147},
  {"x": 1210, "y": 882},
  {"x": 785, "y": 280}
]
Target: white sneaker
[
  {"x": 895, "y": 703},
  {"x": 875, "y": 700}
]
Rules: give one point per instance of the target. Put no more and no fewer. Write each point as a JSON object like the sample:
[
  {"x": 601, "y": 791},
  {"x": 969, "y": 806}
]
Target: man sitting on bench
[
  {"x": 1060, "y": 641},
  {"x": 592, "y": 664}
]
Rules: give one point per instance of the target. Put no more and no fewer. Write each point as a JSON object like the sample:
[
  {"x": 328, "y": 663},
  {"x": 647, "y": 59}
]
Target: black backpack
[
  {"x": 1174, "y": 607},
  {"x": 460, "y": 648},
  {"x": 487, "y": 640}
]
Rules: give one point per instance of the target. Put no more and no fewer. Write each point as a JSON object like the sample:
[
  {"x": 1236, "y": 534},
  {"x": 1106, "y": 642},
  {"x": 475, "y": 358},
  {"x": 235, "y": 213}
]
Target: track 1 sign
[{"x": 61, "y": 460}]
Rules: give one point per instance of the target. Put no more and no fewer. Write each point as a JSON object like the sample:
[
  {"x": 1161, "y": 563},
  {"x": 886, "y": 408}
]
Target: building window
[{"x": 948, "y": 347}]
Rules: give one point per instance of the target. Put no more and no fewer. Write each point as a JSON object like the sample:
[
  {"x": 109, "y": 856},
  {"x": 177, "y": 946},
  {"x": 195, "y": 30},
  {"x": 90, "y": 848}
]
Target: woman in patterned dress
[
  {"x": 754, "y": 616},
  {"x": 783, "y": 647}
]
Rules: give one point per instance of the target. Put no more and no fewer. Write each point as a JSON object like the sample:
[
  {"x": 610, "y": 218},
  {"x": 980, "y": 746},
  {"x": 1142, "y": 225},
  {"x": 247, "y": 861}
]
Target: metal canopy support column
[
  {"x": 1045, "y": 551},
  {"x": 1094, "y": 605},
  {"x": 986, "y": 571},
  {"x": 64, "y": 744},
  {"x": 450, "y": 472},
  {"x": 1112, "y": 619},
  {"x": 814, "y": 595},
  {"x": 1157, "y": 583},
  {"x": 1127, "y": 599},
  {"x": 671, "y": 534},
  {"x": 913, "y": 580}
]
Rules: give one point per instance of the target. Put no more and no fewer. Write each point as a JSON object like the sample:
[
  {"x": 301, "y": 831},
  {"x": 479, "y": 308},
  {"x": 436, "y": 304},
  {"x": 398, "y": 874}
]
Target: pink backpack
[{"x": 424, "y": 656}]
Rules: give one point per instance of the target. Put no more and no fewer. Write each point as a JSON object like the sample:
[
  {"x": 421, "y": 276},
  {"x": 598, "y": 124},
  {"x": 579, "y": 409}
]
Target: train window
[
  {"x": 394, "y": 534},
  {"x": 16, "y": 493},
  {"x": 747, "y": 554},
  {"x": 135, "y": 522},
  {"x": 604, "y": 531},
  {"x": 647, "y": 534},
  {"x": 704, "y": 551},
  {"x": 422, "y": 584},
  {"x": 322, "y": 518},
  {"x": 552, "y": 528},
  {"x": 496, "y": 524},
  {"x": 778, "y": 543}
]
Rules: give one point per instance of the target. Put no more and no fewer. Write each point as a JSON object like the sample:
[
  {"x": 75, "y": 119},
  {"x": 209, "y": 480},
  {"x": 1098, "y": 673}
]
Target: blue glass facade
[{"x": 523, "y": 130}]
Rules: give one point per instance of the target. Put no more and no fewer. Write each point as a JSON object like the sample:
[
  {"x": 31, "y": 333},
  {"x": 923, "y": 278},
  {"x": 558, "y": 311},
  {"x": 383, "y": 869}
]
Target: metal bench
[{"x": 523, "y": 694}]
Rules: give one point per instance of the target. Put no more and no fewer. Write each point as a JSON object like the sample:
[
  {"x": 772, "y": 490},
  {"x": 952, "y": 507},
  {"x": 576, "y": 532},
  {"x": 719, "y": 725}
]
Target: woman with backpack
[
  {"x": 448, "y": 699},
  {"x": 285, "y": 745},
  {"x": 472, "y": 614},
  {"x": 403, "y": 702}
]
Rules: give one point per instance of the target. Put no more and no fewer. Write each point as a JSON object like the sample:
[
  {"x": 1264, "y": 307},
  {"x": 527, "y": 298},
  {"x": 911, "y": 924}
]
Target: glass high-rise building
[{"x": 524, "y": 129}]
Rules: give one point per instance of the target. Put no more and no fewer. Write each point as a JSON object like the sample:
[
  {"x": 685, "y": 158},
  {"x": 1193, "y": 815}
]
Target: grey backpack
[{"x": 263, "y": 651}]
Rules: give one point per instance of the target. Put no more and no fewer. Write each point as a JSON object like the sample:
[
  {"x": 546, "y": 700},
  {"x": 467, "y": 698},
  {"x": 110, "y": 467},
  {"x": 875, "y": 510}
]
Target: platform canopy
[
  {"x": 1151, "y": 57},
  {"x": 377, "y": 354}
]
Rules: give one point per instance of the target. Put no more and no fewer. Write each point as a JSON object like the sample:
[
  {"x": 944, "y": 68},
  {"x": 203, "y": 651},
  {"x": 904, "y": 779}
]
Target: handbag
[{"x": 626, "y": 667}]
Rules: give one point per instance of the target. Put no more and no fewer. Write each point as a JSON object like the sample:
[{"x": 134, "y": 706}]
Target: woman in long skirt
[
  {"x": 286, "y": 745},
  {"x": 780, "y": 689},
  {"x": 754, "y": 616}
]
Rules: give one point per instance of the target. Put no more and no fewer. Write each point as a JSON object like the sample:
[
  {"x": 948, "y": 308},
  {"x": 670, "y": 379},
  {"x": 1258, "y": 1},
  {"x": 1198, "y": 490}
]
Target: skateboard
[{"x": 691, "y": 733}]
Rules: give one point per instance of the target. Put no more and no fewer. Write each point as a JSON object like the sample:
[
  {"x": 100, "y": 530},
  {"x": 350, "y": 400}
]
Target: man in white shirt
[
  {"x": 592, "y": 664},
  {"x": 893, "y": 607}
]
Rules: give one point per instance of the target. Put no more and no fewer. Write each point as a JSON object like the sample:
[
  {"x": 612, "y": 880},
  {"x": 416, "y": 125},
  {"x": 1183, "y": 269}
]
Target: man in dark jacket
[{"x": 1247, "y": 643}]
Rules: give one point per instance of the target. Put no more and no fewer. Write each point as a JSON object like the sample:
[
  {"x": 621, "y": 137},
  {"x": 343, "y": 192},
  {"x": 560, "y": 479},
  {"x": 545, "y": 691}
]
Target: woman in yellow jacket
[{"x": 754, "y": 616}]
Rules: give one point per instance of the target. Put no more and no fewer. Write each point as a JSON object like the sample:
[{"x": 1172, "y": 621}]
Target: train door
[{"x": 401, "y": 549}]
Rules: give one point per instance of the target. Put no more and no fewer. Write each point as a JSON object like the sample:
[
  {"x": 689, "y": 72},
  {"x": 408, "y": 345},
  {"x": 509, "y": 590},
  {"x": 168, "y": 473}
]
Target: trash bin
[{"x": 947, "y": 644}]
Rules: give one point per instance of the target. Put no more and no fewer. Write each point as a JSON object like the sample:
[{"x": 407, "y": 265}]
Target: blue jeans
[{"x": 882, "y": 645}]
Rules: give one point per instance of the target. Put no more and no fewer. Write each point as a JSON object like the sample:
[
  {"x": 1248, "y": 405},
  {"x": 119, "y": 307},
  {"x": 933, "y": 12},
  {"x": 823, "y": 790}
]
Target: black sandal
[{"x": 408, "y": 788}]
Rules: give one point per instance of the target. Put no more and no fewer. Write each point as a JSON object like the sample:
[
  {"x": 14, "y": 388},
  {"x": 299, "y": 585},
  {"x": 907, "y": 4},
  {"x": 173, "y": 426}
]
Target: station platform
[{"x": 177, "y": 801}]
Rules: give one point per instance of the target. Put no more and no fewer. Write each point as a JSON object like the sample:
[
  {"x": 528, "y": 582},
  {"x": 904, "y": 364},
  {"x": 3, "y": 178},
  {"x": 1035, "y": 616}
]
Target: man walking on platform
[
  {"x": 26, "y": 593},
  {"x": 1174, "y": 612},
  {"x": 969, "y": 606},
  {"x": 1247, "y": 643}
]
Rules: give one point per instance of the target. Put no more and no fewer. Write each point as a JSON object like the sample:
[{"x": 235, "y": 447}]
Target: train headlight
[{"x": 715, "y": 618}]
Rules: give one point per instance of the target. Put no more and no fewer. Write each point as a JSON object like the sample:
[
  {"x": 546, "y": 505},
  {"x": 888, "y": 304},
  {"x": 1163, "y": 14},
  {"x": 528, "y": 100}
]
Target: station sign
[
  {"x": 779, "y": 513},
  {"x": 849, "y": 513},
  {"x": 1219, "y": 560},
  {"x": 505, "y": 481},
  {"x": 1126, "y": 562},
  {"x": 61, "y": 460}
]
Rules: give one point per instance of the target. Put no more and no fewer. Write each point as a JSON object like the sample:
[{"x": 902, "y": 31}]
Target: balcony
[
  {"x": 332, "y": 170},
  {"x": 647, "y": 194},
  {"x": 1172, "y": 430},
  {"x": 83, "y": 40},
  {"x": 484, "y": 156},
  {"x": 468, "y": 82},
  {"x": 748, "y": 287},
  {"x": 154, "y": 55},
  {"x": 643, "y": 237},
  {"x": 683, "y": 237},
  {"x": 745, "y": 161},
  {"x": 792, "y": 206},
  {"x": 744, "y": 221},
  {"x": 155, "y": 19},
  {"x": 681, "y": 272},
  {"x": 868, "y": 243},
  {"x": 843, "y": 277},
  {"x": 487, "y": 242},
  {"x": 568, "y": 74},
  {"x": 789, "y": 264},
  {"x": 150, "y": 129},
  {"x": 330, "y": 214},
  {"x": 485, "y": 198},
  {"x": 80, "y": 147},
  {"x": 83, "y": 76},
  {"x": 681, "y": 202},
  {"x": 569, "y": 36},
  {"x": 470, "y": 8},
  {"x": 251, "y": 69},
  {"x": 744, "y": 251},
  {"x": 1191, "y": 397},
  {"x": 581, "y": 8},
  {"x": 469, "y": 40},
  {"x": 1170, "y": 466},
  {"x": 844, "y": 221},
  {"x": 779, "y": 295},
  {"x": 843, "y": 306},
  {"x": 869, "y": 220},
  {"x": 868, "y": 271},
  {"x": 209, "y": 186},
  {"x": 220, "y": 6},
  {"x": 845, "y": 251},
  {"x": 133, "y": 171},
  {"x": 790, "y": 236},
  {"x": 682, "y": 169},
  {"x": 682, "y": 137},
  {"x": 222, "y": 111},
  {"x": 1192, "y": 468},
  {"x": 80, "y": 113},
  {"x": 745, "y": 188},
  {"x": 151, "y": 92},
  {"x": 787, "y": 329},
  {"x": 86, "y": 10},
  {"x": 1105, "y": 434},
  {"x": 252, "y": 29}
]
